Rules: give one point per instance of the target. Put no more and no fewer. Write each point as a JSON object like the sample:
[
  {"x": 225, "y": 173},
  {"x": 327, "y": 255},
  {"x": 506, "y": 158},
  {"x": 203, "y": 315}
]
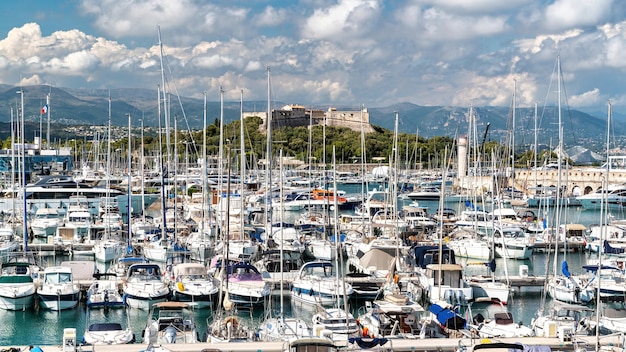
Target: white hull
[
  {"x": 108, "y": 251},
  {"x": 56, "y": 302},
  {"x": 17, "y": 303}
]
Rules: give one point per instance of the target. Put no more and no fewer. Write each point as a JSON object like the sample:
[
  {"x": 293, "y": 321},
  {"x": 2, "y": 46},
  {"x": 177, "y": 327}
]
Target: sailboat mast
[
  {"x": 48, "y": 112},
  {"x": 162, "y": 162},
  {"x": 141, "y": 175},
  {"x": 165, "y": 111},
  {"x": 204, "y": 168},
  {"x": 130, "y": 207},
  {"x": 268, "y": 158},
  {"x": 242, "y": 176},
  {"x": 25, "y": 214}
]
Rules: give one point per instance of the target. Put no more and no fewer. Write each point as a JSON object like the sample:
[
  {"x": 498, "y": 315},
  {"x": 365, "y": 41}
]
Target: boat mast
[
  {"x": 129, "y": 178},
  {"x": 165, "y": 111},
  {"x": 242, "y": 176},
  {"x": 204, "y": 169},
  {"x": 162, "y": 161},
  {"x": 268, "y": 160},
  {"x": 48, "y": 112},
  {"x": 25, "y": 214},
  {"x": 604, "y": 222},
  {"x": 141, "y": 178}
]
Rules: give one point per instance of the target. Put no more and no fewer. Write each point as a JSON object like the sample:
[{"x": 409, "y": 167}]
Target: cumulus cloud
[
  {"x": 344, "y": 20},
  {"x": 573, "y": 13},
  {"x": 270, "y": 16},
  {"x": 430, "y": 52}
]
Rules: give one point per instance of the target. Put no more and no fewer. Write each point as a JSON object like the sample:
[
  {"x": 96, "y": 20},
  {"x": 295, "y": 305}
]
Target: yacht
[
  {"x": 102, "y": 329},
  {"x": 45, "y": 222},
  {"x": 611, "y": 198},
  {"x": 57, "y": 290},
  {"x": 143, "y": 286},
  {"x": 104, "y": 292},
  {"x": 317, "y": 283},
  {"x": 17, "y": 288},
  {"x": 192, "y": 285}
]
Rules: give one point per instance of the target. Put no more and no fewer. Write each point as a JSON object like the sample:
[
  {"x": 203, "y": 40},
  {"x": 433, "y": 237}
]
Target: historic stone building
[{"x": 294, "y": 115}]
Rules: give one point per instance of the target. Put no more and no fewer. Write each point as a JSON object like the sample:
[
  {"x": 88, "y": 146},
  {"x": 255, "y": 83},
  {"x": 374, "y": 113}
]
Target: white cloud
[
  {"x": 32, "y": 80},
  {"x": 138, "y": 17},
  {"x": 346, "y": 19},
  {"x": 270, "y": 16},
  {"x": 573, "y": 13},
  {"x": 431, "y": 52},
  {"x": 588, "y": 98}
]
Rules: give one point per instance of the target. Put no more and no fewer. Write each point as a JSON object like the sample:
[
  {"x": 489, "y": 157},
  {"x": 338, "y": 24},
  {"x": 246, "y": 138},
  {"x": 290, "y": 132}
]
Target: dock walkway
[{"x": 584, "y": 343}]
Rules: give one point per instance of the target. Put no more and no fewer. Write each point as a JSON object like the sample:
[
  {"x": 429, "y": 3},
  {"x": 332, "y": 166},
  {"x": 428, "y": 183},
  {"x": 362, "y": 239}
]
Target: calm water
[{"x": 46, "y": 328}]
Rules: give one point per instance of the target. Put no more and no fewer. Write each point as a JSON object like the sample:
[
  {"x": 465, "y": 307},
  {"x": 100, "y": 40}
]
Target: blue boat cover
[
  {"x": 608, "y": 249},
  {"x": 447, "y": 317},
  {"x": 565, "y": 269}
]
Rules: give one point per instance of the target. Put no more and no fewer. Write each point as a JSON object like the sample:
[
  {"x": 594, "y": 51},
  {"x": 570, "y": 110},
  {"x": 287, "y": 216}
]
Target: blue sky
[{"x": 325, "y": 52}]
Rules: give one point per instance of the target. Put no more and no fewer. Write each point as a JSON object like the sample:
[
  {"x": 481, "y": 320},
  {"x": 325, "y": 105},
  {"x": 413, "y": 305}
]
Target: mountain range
[{"x": 91, "y": 107}]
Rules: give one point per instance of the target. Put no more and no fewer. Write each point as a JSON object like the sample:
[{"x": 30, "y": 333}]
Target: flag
[{"x": 44, "y": 109}]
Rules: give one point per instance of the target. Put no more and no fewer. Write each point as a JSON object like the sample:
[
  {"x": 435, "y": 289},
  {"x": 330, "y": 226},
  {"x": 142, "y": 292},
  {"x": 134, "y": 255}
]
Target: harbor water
[{"x": 41, "y": 327}]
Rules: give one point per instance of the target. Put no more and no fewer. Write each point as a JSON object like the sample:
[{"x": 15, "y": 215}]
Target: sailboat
[
  {"x": 566, "y": 287},
  {"x": 17, "y": 288},
  {"x": 280, "y": 327}
]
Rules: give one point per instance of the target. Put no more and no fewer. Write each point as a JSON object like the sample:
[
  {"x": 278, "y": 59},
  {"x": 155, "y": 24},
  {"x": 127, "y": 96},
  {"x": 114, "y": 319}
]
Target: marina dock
[{"x": 563, "y": 343}]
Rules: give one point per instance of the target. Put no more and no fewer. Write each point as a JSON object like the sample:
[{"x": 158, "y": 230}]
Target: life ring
[
  {"x": 232, "y": 320},
  {"x": 180, "y": 286}
]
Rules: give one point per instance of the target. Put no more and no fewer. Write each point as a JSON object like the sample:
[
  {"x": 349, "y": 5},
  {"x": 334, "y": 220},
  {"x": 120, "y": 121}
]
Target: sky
[{"x": 325, "y": 53}]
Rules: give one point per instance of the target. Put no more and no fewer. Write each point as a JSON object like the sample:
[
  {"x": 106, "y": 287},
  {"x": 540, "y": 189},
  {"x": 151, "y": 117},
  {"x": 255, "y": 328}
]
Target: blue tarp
[{"x": 447, "y": 317}]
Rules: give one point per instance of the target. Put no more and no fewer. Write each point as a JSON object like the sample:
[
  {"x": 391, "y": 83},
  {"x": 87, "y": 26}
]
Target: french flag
[{"x": 44, "y": 109}]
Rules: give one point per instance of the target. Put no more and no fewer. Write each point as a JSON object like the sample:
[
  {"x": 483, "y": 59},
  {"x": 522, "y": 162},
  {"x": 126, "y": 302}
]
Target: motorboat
[
  {"x": 244, "y": 284},
  {"x": 498, "y": 323},
  {"x": 104, "y": 292},
  {"x": 610, "y": 198},
  {"x": 57, "y": 290},
  {"x": 102, "y": 329},
  {"x": 17, "y": 288},
  {"x": 317, "y": 283},
  {"x": 341, "y": 324},
  {"x": 45, "y": 222},
  {"x": 511, "y": 242},
  {"x": 427, "y": 193},
  {"x": 144, "y": 287},
  {"x": 570, "y": 317},
  {"x": 171, "y": 322},
  {"x": 8, "y": 242},
  {"x": 191, "y": 284},
  {"x": 393, "y": 316}
]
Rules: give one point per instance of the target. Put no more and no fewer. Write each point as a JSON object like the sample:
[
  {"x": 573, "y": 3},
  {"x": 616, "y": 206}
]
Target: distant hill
[{"x": 90, "y": 106}]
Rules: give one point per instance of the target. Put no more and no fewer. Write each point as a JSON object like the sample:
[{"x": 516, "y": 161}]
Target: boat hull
[{"x": 59, "y": 302}]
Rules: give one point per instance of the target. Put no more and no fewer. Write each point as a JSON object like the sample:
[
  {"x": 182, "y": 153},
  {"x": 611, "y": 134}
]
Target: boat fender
[
  {"x": 181, "y": 286},
  {"x": 311, "y": 292}
]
